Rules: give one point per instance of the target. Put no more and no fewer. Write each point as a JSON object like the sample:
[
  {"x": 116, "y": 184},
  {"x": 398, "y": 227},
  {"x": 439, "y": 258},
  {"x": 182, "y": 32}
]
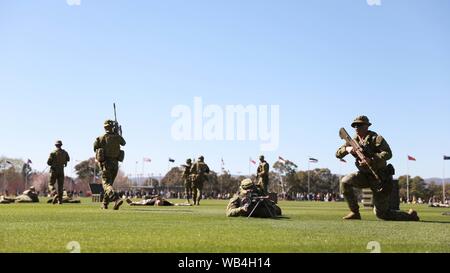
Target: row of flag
[{"x": 411, "y": 158}]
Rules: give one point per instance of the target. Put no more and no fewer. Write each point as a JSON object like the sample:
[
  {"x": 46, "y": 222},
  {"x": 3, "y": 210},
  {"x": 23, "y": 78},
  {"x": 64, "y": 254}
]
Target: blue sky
[{"x": 324, "y": 63}]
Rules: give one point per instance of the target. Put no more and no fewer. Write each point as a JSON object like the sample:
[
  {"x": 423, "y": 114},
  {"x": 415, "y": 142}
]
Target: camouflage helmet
[
  {"x": 58, "y": 143},
  {"x": 108, "y": 124},
  {"x": 246, "y": 184},
  {"x": 32, "y": 188},
  {"x": 189, "y": 161},
  {"x": 201, "y": 158},
  {"x": 261, "y": 157},
  {"x": 361, "y": 120}
]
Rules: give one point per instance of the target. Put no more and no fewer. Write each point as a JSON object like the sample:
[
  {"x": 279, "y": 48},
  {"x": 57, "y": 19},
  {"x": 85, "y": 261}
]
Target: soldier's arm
[
  {"x": 97, "y": 144},
  {"x": 50, "y": 160},
  {"x": 266, "y": 169},
  {"x": 385, "y": 151},
  {"x": 67, "y": 157},
  {"x": 342, "y": 152}
]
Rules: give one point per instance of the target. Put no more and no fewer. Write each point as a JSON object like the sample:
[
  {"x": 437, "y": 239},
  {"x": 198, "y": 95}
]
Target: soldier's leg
[
  {"x": 60, "y": 180},
  {"x": 354, "y": 180},
  {"x": 194, "y": 192},
  {"x": 200, "y": 193},
  {"x": 266, "y": 186},
  {"x": 383, "y": 211},
  {"x": 188, "y": 190},
  {"x": 51, "y": 183}
]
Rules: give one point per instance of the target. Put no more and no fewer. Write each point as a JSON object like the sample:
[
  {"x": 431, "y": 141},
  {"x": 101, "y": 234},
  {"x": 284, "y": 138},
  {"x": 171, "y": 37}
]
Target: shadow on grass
[
  {"x": 435, "y": 222},
  {"x": 161, "y": 210}
]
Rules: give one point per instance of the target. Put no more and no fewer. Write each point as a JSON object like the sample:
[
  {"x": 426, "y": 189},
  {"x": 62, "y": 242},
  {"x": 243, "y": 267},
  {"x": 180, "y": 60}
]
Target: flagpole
[
  {"x": 443, "y": 182},
  {"x": 309, "y": 184},
  {"x": 407, "y": 181}
]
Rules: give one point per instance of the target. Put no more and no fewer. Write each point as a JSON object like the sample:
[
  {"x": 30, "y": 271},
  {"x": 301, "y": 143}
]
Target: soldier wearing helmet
[
  {"x": 57, "y": 161},
  {"x": 199, "y": 172},
  {"x": 252, "y": 200},
  {"x": 187, "y": 180},
  {"x": 108, "y": 154},
  {"x": 377, "y": 153},
  {"x": 263, "y": 174}
]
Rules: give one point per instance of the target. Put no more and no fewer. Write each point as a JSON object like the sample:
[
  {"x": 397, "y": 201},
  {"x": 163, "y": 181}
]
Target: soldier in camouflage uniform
[
  {"x": 242, "y": 204},
  {"x": 108, "y": 155},
  {"x": 377, "y": 152},
  {"x": 28, "y": 196},
  {"x": 263, "y": 174},
  {"x": 187, "y": 180},
  {"x": 199, "y": 172},
  {"x": 57, "y": 161}
]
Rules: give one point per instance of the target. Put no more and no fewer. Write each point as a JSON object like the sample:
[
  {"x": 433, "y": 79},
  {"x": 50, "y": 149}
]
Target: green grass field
[{"x": 306, "y": 227}]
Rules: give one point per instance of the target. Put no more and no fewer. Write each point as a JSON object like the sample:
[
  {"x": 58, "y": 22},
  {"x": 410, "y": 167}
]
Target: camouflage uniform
[
  {"x": 377, "y": 149},
  {"x": 157, "y": 201},
  {"x": 108, "y": 154},
  {"x": 187, "y": 180},
  {"x": 57, "y": 161},
  {"x": 263, "y": 175},
  {"x": 198, "y": 176},
  {"x": 242, "y": 204},
  {"x": 28, "y": 196}
]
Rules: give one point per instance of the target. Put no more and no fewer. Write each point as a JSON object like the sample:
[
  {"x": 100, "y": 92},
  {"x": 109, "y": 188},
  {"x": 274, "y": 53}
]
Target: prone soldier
[{"x": 252, "y": 202}]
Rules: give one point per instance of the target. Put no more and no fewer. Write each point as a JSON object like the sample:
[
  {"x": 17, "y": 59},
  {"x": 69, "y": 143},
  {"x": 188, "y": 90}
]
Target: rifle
[
  {"x": 117, "y": 127},
  {"x": 258, "y": 200},
  {"x": 359, "y": 154}
]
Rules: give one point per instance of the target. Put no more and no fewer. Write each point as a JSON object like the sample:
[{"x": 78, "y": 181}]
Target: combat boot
[
  {"x": 353, "y": 216},
  {"x": 55, "y": 200},
  {"x": 118, "y": 203},
  {"x": 414, "y": 215},
  {"x": 104, "y": 206}
]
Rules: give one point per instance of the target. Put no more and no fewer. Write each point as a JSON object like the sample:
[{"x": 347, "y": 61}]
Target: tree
[
  {"x": 85, "y": 170},
  {"x": 417, "y": 187}
]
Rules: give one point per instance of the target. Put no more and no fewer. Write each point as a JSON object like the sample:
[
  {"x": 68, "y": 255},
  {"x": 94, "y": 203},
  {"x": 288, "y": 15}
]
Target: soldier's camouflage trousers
[
  {"x": 109, "y": 168},
  {"x": 197, "y": 191},
  {"x": 56, "y": 184},
  {"x": 188, "y": 188},
  {"x": 263, "y": 182},
  {"x": 381, "y": 200}
]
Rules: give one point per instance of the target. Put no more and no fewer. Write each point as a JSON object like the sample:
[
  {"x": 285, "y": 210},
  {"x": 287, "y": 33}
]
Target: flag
[
  {"x": 343, "y": 160},
  {"x": 146, "y": 159},
  {"x": 446, "y": 157},
  {"x": 313, "y": 160},
  {"x": 171, "y": 160},
  {"x": 410, "y": 158},
  {"x": 253, "y": 161}
]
